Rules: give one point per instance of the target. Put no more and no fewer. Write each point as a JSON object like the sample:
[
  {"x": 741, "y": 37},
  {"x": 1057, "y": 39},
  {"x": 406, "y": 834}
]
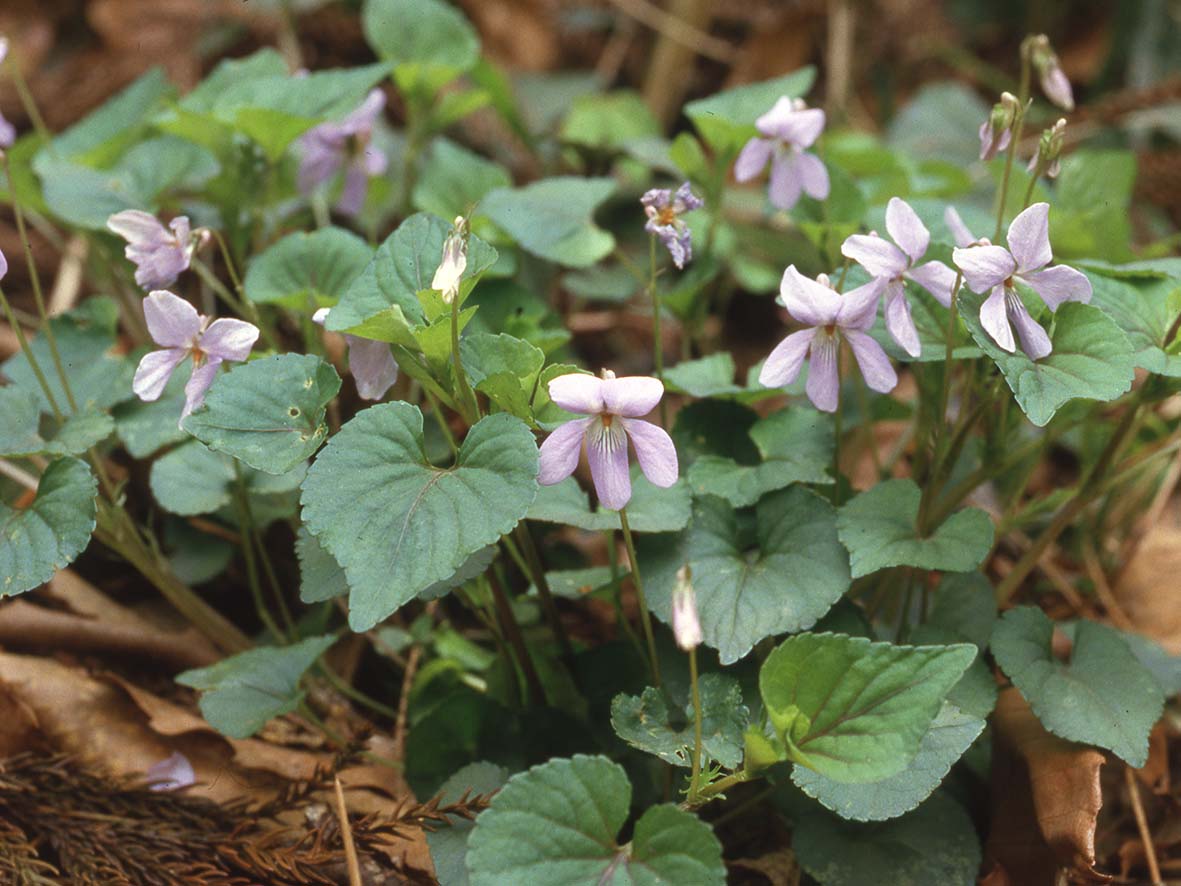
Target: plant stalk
[{"x": 638, "y": 583}]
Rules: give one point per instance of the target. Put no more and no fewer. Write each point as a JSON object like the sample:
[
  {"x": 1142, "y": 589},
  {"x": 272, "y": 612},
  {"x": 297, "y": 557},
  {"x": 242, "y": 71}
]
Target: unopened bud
[
  {"x": 686, "y": 625},
  {"x": 454, "y": 263},
  {"x": 1053, "y": 79},
  {"x": 1049, "y": 150},
  {"x": 996, "y": 131}
]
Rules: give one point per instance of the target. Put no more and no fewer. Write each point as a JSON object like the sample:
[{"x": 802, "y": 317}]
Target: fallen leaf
[{"x": 1148, "y": 590}]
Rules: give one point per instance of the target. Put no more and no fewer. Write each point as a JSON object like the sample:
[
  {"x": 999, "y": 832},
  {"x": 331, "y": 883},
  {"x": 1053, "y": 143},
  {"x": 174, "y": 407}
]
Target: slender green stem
[
  {"x": 28, "y": 102},
  {"x": 709, "y": 791},
  {"x": 537, "y": 572},
  {"x": 836, "y": 450},
  {"x": 638, "y": 584},
  {"x": 441, "y": 419},
  {"x": 535, "y": 693},
  {"x": 35, "y": 278},
  {"x": 931, "y": 481},
  {"x": 231, "y": 267},
  {"x": 695, "y": 776},
  {"x": 613, "y": 565},
  {"x": 657, "y": 333},
  {"x": 466, "y": 397},
  {"x": 272, "y": 579},
  {"x": 347, "y": 689},
  {"x": 1029, "y": 190},
  {"x": 28, "y": 352},
  {"x": 243, "y": 307},
  {"x": 247, "y": 526},
  {"x": 1018, "y": 127}
]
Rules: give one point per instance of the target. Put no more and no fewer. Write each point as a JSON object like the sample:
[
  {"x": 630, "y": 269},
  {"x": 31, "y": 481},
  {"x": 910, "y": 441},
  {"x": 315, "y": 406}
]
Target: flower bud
[
  {"x": 1055, "y": 85},
  {"x": 686, "y": 625},
  {"x": 996, "y": 131},
  {"x": 1049, "y": 149},
  {"x": 450, "y": 271}
]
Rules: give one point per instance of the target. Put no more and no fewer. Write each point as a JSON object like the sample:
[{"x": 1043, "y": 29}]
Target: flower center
[{"x": 666, "y": 216}]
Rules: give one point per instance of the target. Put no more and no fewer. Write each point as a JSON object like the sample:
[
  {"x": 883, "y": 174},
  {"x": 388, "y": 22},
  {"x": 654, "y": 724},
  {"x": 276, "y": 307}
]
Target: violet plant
[{"x": 815, "y": 615}]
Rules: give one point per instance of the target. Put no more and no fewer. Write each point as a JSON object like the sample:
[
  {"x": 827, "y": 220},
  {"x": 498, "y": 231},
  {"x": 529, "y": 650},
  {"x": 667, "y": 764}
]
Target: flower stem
[
  {"x": 695, "y": 776},
  {"x": 28, "y": 352},
  {"x": 638, "y": 583},
  {"x": 720, "y": 786},
  {"x": 535, "y": 693},
  {"x": 1018, "y": 127},
  {"x": 241, "y": 306},
  {"x": 1029, "y": 191},
  {"x": 657, "y": 334},
  {"x": 465, "y": 397},
  {"x": 548, "y": 604},
  {"x": 28, "y": 102}
]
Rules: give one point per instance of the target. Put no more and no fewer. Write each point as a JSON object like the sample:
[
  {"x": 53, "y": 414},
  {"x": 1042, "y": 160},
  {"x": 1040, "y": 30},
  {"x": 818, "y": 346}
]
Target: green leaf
[
  {"x": 878, "y": 527},
  {"x": 320, "y": 576},
  {"x": 711, "y": 376},
  {"x": 99, "y": 378},
  {"x": 936, "y": 845},
  {"x": 269, "y": 412},
  {"x": 241, "y": 693},
  {"x": 307, "y": 269},
  {"x": 504, "y": 368},
  {"x": 608, "y": 121},
  {"x": 727, "y": 119},
  {"x": 941, "y": 122},
  {"x": 645, "y": 722},
  {"x": 382, "y": 303},
  {"x": 558, "y": 823},
  {"x": 144, "y": 428},
  {"x": 397, "y": 523},
  {"x": 193, "y": 479},
  {"x": 1102, "y": 696},
  {"x": 554, "y": 218},
  {"x": 780, "y": 574},
  {"x": 1144, "y": 308},
  {"x": 20, "y": 427},
  {"x": 1092, "y": 359},
  {"x": 429, "y": 42},
  {"x": 950, "y": 734},
  {"x": 651, "y": 508},
  {"x": 853, "y": 710},
  {"x": 448, "y": 844},
  {"x": 454, "y": 179},
  {"x": 195, "y": 557},
  {"x": 795, "y": 445},
  {"x": 1089, "y": 213},
  {"x": 45, "y": 536}
]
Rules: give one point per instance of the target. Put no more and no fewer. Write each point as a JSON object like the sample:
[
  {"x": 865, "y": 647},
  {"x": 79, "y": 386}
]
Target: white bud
[{"x": 686, "y": 625}]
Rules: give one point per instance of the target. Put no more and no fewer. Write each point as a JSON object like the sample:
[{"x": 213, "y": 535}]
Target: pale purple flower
[
  {"x": 829, "y": 317},
  {"x": 994, "y": 269},
  {"x": 996, "y": 132},
  {"x": 7, "y": 130},
  {"x": 371, "y": 363},
  {"x": 685, "y": 623},
  {"x": 892, "y": 264},
  {"x": 664, "y": 209},
  {"x": 959, "y": 230},
  {"x": 172, "y": 773},
  {"x": 160, "y": 254},
  {"x": 182, "y": 332},
  {"x": 790, "y": 127},
  {"x": 1053, "y": 79},
  {"x": 3, "y": 265},
  {"x": 613, "y": 407},
  {"x": 345, "y": 144},
  {"x": 449, "y": 273}
]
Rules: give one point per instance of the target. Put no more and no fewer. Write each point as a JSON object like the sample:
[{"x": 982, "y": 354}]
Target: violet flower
[
  {"x": 173, "y": 773},
  {"x": 613, "y": 407},
  {"x": 994, "y": 269},
  {"x": 371, "y": 363},
  {"x": 664, "y": 209},
  {"x": 176, "y": 325},
  {"x": 790, "y": 127},
  {"x": 160, "y": 254},
  {"x": 829, "y": 317},
  {"x": 959, "y": 230},
  {"x": 7, "y": 130},
  {"x": 345, "y": 144},
  {"x": 892, "y": 264}
]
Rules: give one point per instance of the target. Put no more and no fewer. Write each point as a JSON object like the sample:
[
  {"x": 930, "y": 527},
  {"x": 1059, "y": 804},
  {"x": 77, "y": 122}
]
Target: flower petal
[
  {"x": 632, "y": 396},
  {"x": 823, "y": 386},
  {"x": 138, "y": 227},
  {"x": 876, "y": 254},
  {"x": 859, "y": 306},
  {"x": 807, "y": 300},
  {"x": 321, "y": 316},
  {"x": 935, "y": 277},
  {"x": 907, "y": 229},
  {"x": 578, "y": 392},
  {"x": 558, "y": 454},
  {"x": 352, "y": 194},
  {"x": 1060, "y": 284},
  {"x": 792, "y": 124},
  {"x": 875, "y": 366},
  {"x": 654, "y": 451},
  {"x": 995, "y": 319},
  {"x": 899, "y": 323},
  {"x": 199, "y": 382},
  {"x": 812, "y": 174},
  {"x": 984, "y": 266},
  {"x": 372, "y": 365},
  {"x": 153, "y": 372},
  {"x": 959, "y": 230},
  {"x": 1034, "y": 340},
  {"x": 784, "y": 188},
  {"x": 229, "y": 339},
  {"x": 783, "y": 365},
  {"x": 1029, "y": 238},
  {"x": 172, "y": 321},
  {"x": 606, "y": 451},
  {"x": 754, "y": 156}
]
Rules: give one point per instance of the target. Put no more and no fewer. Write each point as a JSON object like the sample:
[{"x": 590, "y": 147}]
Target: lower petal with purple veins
[
  {"x": 784, "y": 189},
  {"x": 824, "y": 385},
  {"x": 606, "y": 452},
  {"x": 199, "y": 382}
]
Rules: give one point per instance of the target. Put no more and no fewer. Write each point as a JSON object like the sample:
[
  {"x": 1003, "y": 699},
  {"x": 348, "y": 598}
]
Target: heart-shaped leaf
[
  {"x": 559, "y": 823},
  {"x": 449, "y": 843},
  {"x": 727, "y": 119},
  {"x": 879, "y": 527},
  {"x": 853, "y": 710},
  {"x": 428, "y": 41},
  {"x": 1144, "y": 307},
  {"x": 397, "y": 523},
  {"x": 20, "y": 427},
  {"x": 241, "y": 693},
  {"x": 1092, "y": 359},
  {"x": 1103, "y": 696},
  {"x": 553, "y": 218},
  {"x": 307, "y": 269},
  {"x": 55, "y": 528},
  {"x": 193, "y": 479},
  {"x": 651, "y": 508},
  {"x": 269, "y": 412}
]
